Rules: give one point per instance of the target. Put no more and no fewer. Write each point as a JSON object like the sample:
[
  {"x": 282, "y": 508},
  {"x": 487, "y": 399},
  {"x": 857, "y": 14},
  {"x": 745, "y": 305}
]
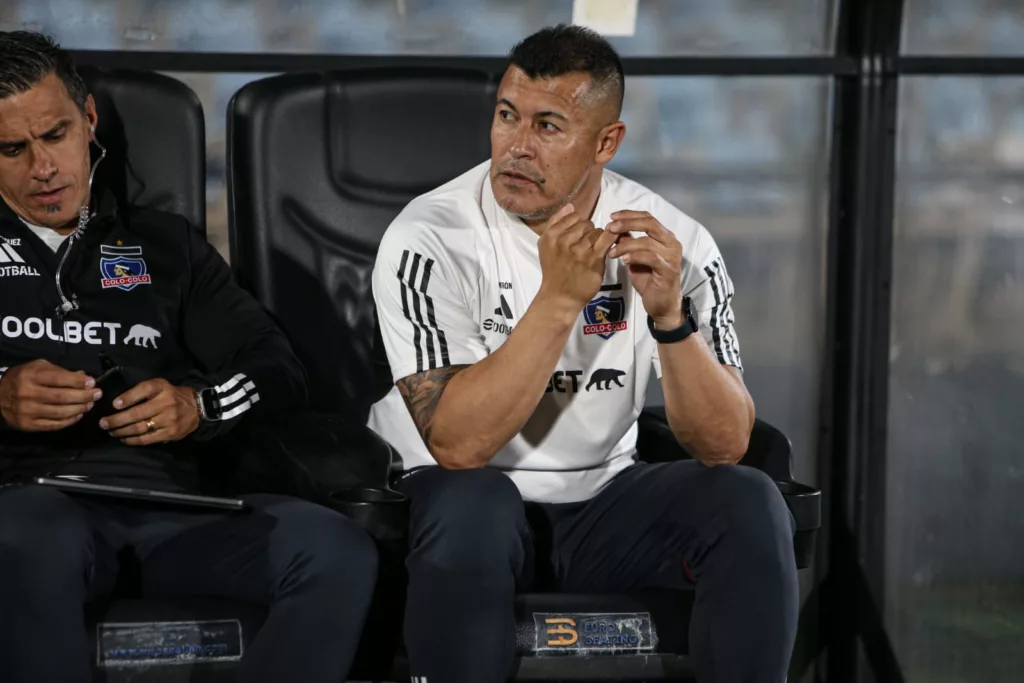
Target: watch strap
[{"x": 680, "y": 333}]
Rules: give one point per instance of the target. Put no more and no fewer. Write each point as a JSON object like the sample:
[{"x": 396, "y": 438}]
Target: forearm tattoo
[{"x": 422, "y": 393}]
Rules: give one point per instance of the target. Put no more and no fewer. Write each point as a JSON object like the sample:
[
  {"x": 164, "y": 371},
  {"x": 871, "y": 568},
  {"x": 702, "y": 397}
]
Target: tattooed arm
[
  {"x": 422, "y": 393},
  {"x": 466, "y": 414}
]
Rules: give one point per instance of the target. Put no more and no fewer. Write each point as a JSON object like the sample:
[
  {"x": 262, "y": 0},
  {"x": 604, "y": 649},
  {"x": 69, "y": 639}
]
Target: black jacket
[{"x": 159, "y": 301}]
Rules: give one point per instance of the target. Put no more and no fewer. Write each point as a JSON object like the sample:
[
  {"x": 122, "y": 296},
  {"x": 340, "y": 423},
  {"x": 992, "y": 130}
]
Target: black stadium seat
[
  {"x": 153, "y": 129},
  {"x": 155, "y": 135},
  {"x": 319, "y": 164}
]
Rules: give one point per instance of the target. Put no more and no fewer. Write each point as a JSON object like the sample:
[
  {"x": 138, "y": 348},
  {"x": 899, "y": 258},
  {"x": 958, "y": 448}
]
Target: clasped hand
[
  {"x": 42, "y": 397},
  {"x": 573, "y": 254}
]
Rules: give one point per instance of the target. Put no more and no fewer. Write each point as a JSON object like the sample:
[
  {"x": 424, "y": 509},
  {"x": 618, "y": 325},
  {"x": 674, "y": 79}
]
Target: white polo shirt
[{"x": 454, "y": 274}]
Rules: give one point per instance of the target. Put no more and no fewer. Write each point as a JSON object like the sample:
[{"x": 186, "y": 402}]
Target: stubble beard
[{"x": 548, "y": 211}]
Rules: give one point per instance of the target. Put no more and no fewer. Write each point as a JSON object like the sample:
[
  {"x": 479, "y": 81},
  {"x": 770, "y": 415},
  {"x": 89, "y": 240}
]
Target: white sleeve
[
  {"x": 706, "y": 281},
  {"x": 423, "y": 316}
]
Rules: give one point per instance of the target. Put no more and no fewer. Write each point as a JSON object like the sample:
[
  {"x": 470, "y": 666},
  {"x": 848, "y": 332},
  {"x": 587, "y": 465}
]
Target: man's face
[
  {"x": 547, "y": 138},
  {"x": 44, "y": 153}
]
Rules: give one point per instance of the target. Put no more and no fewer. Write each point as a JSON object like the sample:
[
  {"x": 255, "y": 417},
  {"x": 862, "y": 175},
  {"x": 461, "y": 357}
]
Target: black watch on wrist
[
  {"x": 208, "y": 402},
  {"x": 688, "y": 327}
]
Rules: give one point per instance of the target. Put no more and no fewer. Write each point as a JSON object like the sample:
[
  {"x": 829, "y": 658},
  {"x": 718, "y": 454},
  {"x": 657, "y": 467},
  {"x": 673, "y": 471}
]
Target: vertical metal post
[{"x": 854, "y": 407}]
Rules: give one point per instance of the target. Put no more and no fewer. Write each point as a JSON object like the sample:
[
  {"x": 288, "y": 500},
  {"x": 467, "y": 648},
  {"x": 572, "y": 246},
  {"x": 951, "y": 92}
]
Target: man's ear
[
  {"x": 90, "y": 115},
  {"x": 608, "y": 140}
]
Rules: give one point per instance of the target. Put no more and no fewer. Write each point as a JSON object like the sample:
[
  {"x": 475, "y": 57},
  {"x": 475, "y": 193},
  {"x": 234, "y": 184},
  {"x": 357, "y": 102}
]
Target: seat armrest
[
  {"x": 655, "y": 440},
  {"x": 330, "y": 460},
  {"x": 769, "y": 451}
]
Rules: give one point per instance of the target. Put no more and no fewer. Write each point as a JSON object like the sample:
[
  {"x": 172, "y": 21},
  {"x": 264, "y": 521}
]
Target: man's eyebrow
[
  {"x": 552, "y": 114},
  {"x": 56, "y": 128},
  {"x": 63, "y": 123},
  {"x": 541, "y": 114}
]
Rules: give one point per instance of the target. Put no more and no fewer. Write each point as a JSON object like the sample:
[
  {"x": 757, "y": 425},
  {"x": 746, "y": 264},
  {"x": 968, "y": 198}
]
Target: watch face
[{"x": 211, "y": 406}]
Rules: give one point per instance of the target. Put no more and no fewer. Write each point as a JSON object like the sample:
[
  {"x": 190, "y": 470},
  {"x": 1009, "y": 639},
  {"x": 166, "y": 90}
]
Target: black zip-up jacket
[{"x": 159, "y": 301}]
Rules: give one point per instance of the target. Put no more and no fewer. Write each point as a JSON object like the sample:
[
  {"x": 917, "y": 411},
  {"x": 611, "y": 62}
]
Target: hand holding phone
[
  {"x": 153, "y": 411},
  {"x": 42, "y": 397}
]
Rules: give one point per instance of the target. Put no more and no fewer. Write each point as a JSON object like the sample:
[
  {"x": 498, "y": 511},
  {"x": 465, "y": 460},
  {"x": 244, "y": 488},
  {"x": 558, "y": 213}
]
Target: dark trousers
[
  {"x": 314, "y": 568},
  {"x": 473, "y": 544}
]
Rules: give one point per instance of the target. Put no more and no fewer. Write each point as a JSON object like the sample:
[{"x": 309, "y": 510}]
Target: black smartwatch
[
  {"x": 208, "y": 404},
  {"x": 688, "y": 327}
]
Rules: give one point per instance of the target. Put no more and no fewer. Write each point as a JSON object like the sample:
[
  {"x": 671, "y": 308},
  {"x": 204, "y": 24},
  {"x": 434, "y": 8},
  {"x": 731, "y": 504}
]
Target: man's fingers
[
  {"x": 62, "y": 379},
  {"x": 646, "y": 244},
  {"x": 138, "y": 414},
  {"x": 44, "y": 425},
  {"x": 563, "y": 219},
  {"x": 629, "y": 245},
  {"x": 140, "y": 392},
  {"x": 134, "y": 429},
  {"x": 578, "y": 232},
  {"x": 637, "y": 221},
  {"x": 644, "y": 224},
  {"x": 603, "y": 242},
  {"x": 582, "y": 242},
  {"x": 627, "y": 214},
  {"x": 562, "y": 213},
  {"x": 62, "y": 397},
  {"x": 648, "y": 259},
  {"x": 47, "y": 411}
]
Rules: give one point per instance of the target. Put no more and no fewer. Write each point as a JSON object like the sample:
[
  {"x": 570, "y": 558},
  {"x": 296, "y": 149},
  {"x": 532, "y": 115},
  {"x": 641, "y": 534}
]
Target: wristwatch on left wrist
[
  {"x": 680, "y": 333},
  {"x": 208, "y": 405}
]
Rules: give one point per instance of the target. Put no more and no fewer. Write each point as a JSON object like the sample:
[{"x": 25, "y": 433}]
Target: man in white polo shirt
[{"x": 523, "y": 306}]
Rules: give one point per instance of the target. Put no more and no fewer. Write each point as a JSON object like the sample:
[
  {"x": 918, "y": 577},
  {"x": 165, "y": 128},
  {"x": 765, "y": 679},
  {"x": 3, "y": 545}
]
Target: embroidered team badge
[
  {"x": 604, "y": 316},
  {"x": 123, "y": 267}
]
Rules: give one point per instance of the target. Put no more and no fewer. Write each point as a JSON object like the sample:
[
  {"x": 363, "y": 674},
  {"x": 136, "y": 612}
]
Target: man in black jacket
[{"x": 86, "y": 285}]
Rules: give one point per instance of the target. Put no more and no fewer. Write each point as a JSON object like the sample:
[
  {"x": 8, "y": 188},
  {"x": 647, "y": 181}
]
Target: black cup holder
[
  {"x": 804, "y": 502},
  {"x": 368, "y": 496},
  {"x": 795, "y": 488},
  {"x": 383, "y": 513}
]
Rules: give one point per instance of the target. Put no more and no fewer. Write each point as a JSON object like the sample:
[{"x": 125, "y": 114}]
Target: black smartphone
[{"x": 113, "y": 383}]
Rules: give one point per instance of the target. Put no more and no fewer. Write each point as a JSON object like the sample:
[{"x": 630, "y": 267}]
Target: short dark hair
[
  {"x": 30, "y": 57},
  {"x": 564, "y": 49}
]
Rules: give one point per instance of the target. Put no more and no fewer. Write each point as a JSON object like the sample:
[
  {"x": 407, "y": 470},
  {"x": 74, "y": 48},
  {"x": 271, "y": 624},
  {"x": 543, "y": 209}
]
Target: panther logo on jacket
[{"x": 143, "y": 336}]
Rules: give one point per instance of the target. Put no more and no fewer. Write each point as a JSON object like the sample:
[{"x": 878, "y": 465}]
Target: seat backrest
[
  {"x": 319, "y": 165},
  {"x": 154, "y": 131}
]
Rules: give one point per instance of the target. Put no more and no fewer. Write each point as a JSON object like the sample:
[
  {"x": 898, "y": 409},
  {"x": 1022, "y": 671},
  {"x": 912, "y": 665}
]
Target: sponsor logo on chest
[
  {"x": 74, "y": 332},
  {"x": 601, "y": 379}
]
